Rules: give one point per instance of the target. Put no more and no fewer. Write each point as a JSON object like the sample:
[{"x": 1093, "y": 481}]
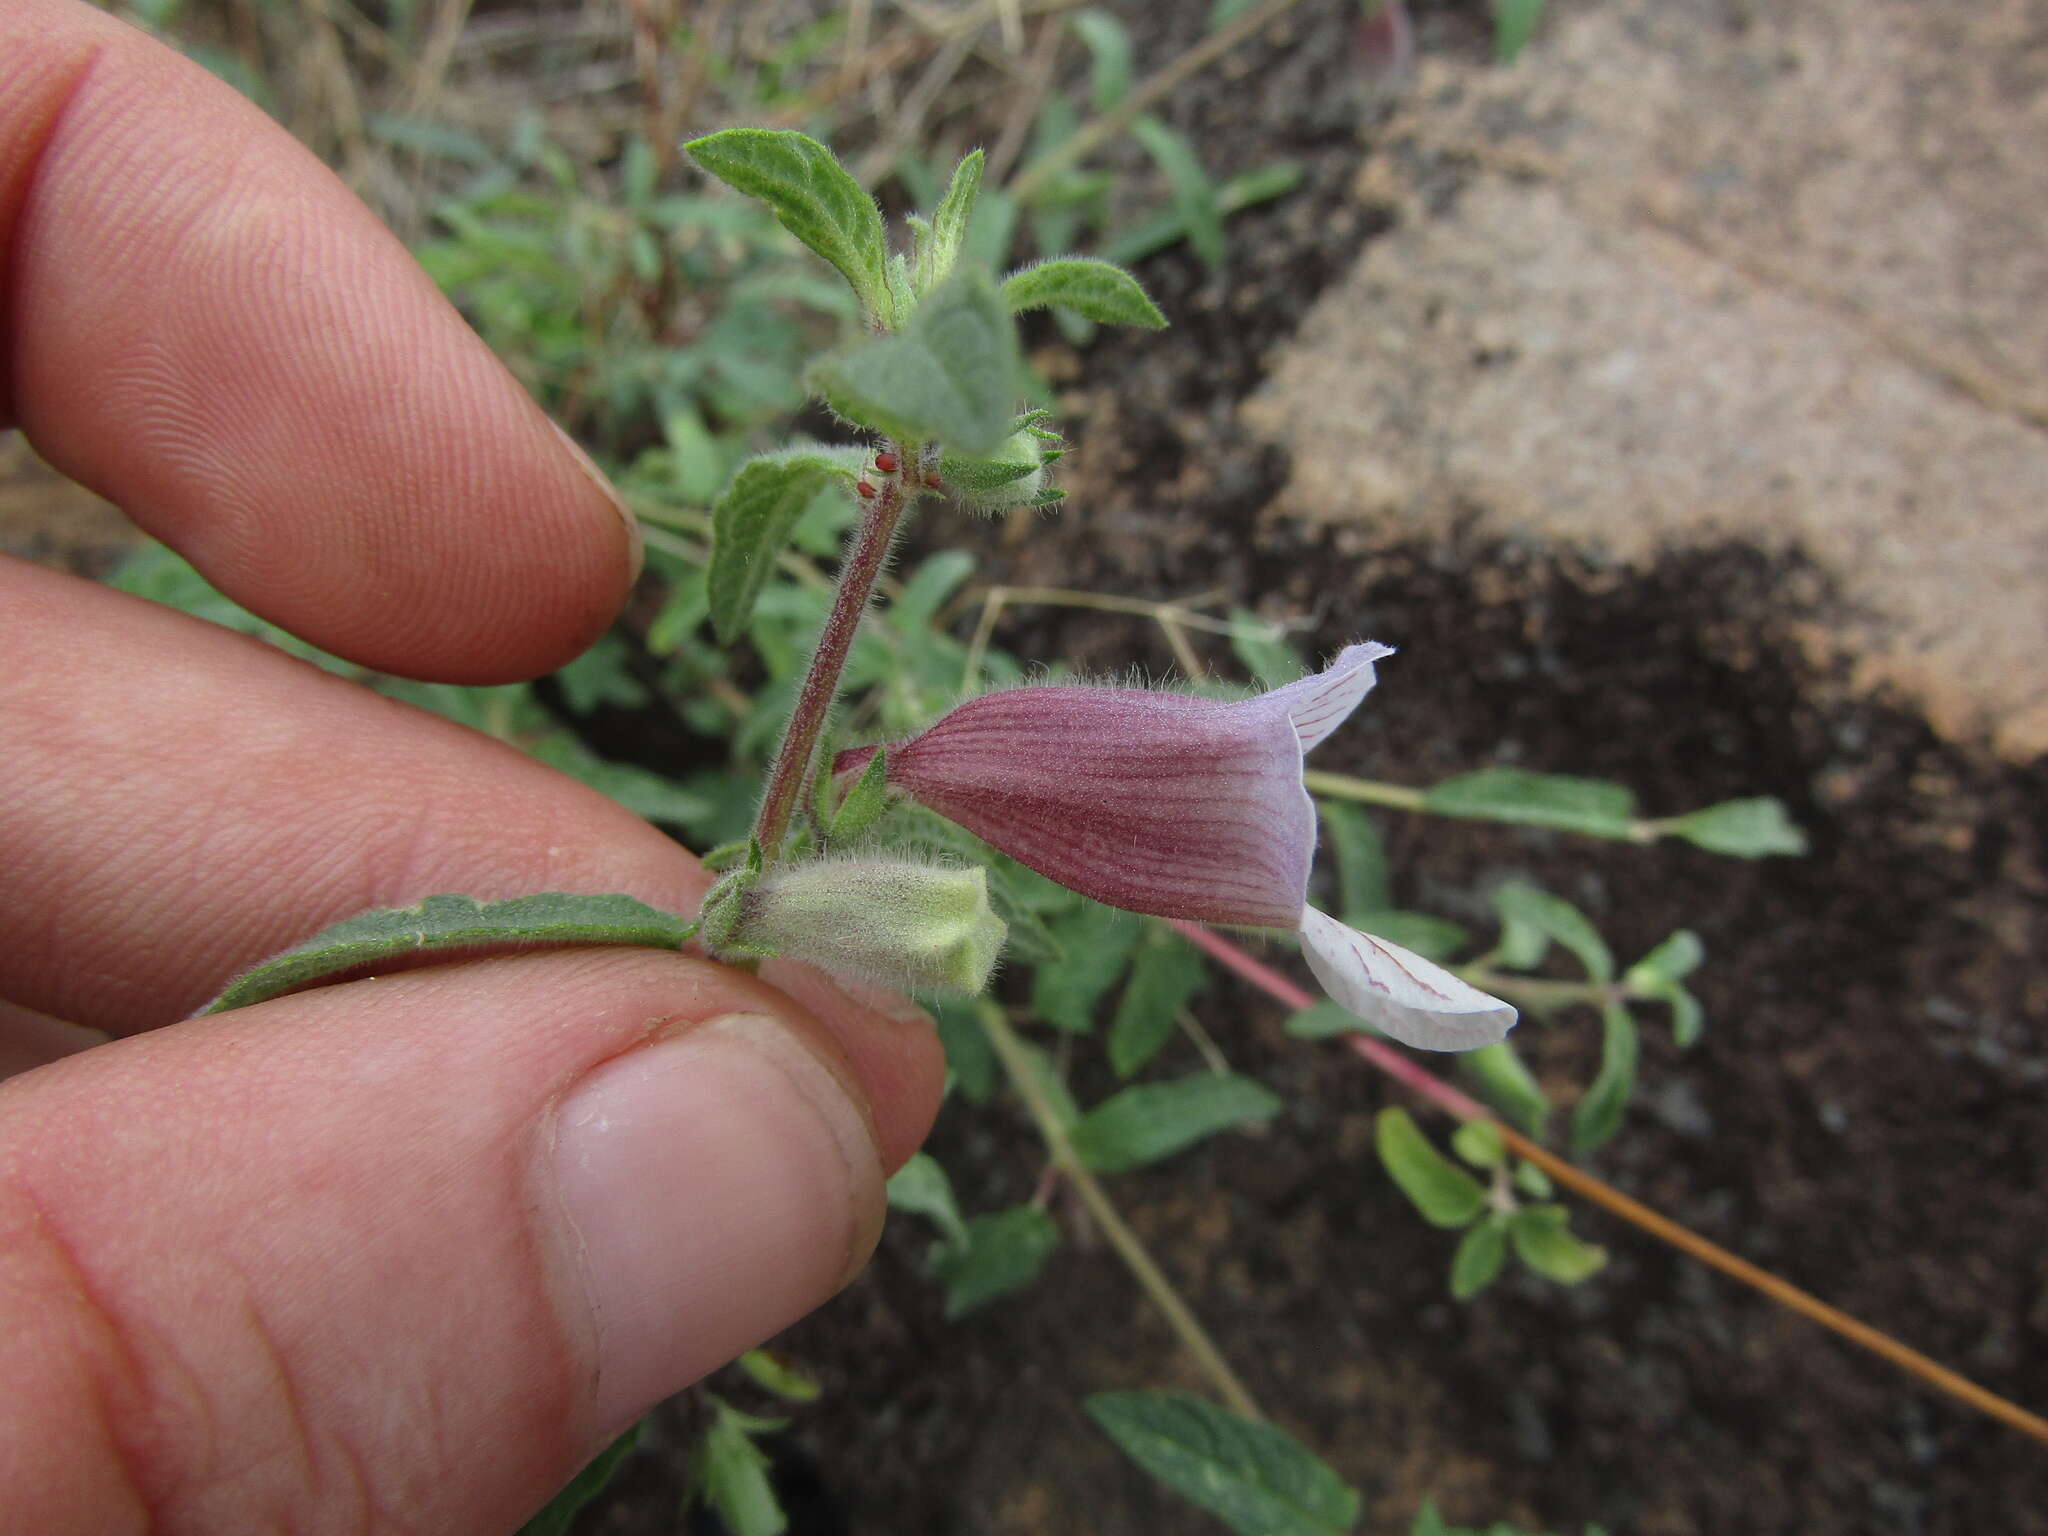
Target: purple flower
[{"x": 1181, "y": 807}]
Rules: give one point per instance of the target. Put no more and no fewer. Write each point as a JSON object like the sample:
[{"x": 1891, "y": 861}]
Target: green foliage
[
  {"x": 948, "y": 376},
  {"x": 1527, "y": 912},
  {"x": 1742, "y": 829},
  {"x": 561, "y": 1511},
  {"x": 814, "y": 196},
  {"x": 1165, "y": 977},
  {"x": 1514, "y": 23},
  {"x": 865, "y": 801},
  {"x": 1445, "y": 1194},
  {"x": 921, "y": 1188},
  {"x": 1590, "y": 806},
  {"x": 1429, "y": 1523},
  {"x": 1482, "y": 1252},
  {"x": 1264, "y": 650},
  {"x": 772, "y": 1373},
  {"x": 754, "y": 519},
  {"x": 949, "y": 225},
  {"x": 1354, "y": 842},
  {"x": 1660, "y": 974},
  {"x": 1096, "y": 943},
  {"x": 1253, "y": 1476},
  {"x": 454, "y": 922},
  {"x": 1501, "y": 1077},
  {"x": 1544, "y": 1243},
  {"x": 1597, "y": 1115},
  {"x": 1001, "y": 1253},
  {"x": 1194, "y": 194},
  {"x": 1095, "y": 290},
  {"x": 729, "y": 1473},
  {"x": 1141, "y": 1125}
]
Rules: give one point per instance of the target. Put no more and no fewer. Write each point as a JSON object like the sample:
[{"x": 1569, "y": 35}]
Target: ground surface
[{"x": 1495, "y": 386}]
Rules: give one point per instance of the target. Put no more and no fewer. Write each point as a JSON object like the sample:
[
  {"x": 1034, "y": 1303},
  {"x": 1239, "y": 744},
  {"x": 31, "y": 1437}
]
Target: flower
[{"x": 1181, "y": 807}]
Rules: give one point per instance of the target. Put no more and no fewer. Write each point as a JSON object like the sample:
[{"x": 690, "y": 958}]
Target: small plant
[{"x": 877, "y": 824}]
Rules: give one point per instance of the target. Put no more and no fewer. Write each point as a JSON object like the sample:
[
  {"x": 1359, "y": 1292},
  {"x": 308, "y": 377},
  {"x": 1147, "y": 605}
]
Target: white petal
[
  {"x": 1318, "y": 705},
  {"x": 1398, "y": 992}
]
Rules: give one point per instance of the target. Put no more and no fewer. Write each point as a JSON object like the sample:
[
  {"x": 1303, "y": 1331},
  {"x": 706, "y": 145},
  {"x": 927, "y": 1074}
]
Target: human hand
[{"x": 399, "y": 1254}]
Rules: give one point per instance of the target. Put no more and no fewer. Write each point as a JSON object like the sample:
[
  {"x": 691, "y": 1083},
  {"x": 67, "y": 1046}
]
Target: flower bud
[{"x": 913, "y": 926}]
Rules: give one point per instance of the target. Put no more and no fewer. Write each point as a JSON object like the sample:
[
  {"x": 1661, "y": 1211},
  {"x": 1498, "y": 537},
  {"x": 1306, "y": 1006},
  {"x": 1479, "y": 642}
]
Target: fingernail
[
  {"x": 637, "y": 543},
  {"x": 720, "y": 1182}
]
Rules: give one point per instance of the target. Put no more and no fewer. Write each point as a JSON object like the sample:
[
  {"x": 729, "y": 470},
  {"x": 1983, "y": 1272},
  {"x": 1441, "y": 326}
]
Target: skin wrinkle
[
  {"x": 113, "y": 1370},
  {"x": 14, "y": 213}
]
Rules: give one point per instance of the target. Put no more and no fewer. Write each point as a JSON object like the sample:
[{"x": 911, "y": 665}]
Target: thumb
[{"x": 403, "y": 1254}]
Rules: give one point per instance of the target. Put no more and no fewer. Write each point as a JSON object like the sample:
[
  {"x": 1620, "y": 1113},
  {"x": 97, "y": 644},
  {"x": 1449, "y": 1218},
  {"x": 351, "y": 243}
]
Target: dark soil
[{"x": 1864, "y": 1116}]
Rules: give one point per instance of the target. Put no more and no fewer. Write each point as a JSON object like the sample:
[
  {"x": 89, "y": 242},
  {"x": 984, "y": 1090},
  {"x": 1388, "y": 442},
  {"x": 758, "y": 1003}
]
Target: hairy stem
[
  {"x": 789, "y": 782},
  {"x": 1151, "y": 1280}
]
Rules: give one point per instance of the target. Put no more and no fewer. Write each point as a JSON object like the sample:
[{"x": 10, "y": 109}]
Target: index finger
[{"x": 199, "y": 321}]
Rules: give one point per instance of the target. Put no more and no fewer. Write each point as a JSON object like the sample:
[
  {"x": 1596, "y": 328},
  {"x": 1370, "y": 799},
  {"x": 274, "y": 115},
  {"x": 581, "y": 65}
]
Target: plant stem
[
  {"x": 790, "y": 781},
  {"x": 1343, "y": 786},
  {"x": 1129, "y": 1247}
]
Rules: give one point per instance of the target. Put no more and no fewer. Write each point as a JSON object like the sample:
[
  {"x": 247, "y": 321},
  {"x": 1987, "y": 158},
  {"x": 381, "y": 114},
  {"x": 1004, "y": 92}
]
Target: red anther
[
  {"x": 886, "y": 463},
  {"x": 866, "y": 491},
  {"x": 931, "y": 480}
]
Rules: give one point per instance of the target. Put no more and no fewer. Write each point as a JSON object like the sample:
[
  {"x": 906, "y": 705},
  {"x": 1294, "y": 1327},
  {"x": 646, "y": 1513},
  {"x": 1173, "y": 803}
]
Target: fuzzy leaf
[
  {"x": 1109, "y": 57},
  {"x": 1546, "y": 1244},
  {"x": 969, "y": 1057},
  {"x": 814, "y": 196},
  {"x": 562, "y": 1509},
  {"x": 1003, "y": 1253},
  {"x": 1194, "y": 194},
  {"x": 1445, "y": 1194},
  {"x": 1481, "y": 1253},
  {"x": 1167, "y": 973},
  {"x": 752, "y": 522},
  {"x": 1559, "y": 919},
  {"x": 1502, "y": 1079},
  {"x": 455, "y": 922},
  {"x": 1743, "y": 829},
  {"x": 1253, "y": 1476},
  {"x": 1264, "y": 650},
  {"x": 1591, "y": 806},
  {"x": 865, "y": 802},
  {"x": 950, "y": 221},
  {"x": 1093, "y": 289},
  {"x": 1154, "y": 1120},
  {"x": 1479, "y": 1143},
  {"x": 947, "y": 376},
  {"x": 1598, "y": 1113}
]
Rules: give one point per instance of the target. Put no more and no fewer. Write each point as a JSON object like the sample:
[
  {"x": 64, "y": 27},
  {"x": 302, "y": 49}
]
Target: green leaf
[
  {"x": 969, "y": 1057},
  {"x": 926, "y": 590},
  {"x": 1361, "y": 854},
  {"x": 1096, "y": 942},
  {"x": 1264, "y": 650},
  {"x": 1445, "y": 1194},
  {"x": 865, "y": 802},
  {"x": 1533, "y": 1181},
  {"x": 1155, "y": 1120},
  {"x": 1514, "y": 21},
  {"x": 1094, "y": 289},
  {"x": 1253, "y": 1476},
  {"x": 1506, "y": 1083},
  {"x": 1479, "y": 1143},
  {"x": 814, "y": 196},
  {"x": 752, "y": 522},
  {"x": 947, "y": 376},
  {"x": 1109, "y": 57},
  {"x": 1743, "y": 829},
  {"x": 1598, "y": 1113},
  {"x": 1194, "y": 194},
  {"x": 772, "y": 1373},
  {"x": 730, "y": 1474},
  {"x": 1003, "y": 1253},
  {"x": 1546, "y": 1245},
  {"x": 562, "y": 1509},
  {"x": 1481, "y": 1253},
  {"x": 1677, "y": 957},
  {"x": 1325, "y": 1021},
  {"x": 455, "y": 922},
  {"x": 1591, "y": 806},
  {"x": 1166, "y": 975},
  {"x": 1518, "y": 902},
  {"x": 949, "y": 222},
  {"x": 921, "y": 1187}
]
